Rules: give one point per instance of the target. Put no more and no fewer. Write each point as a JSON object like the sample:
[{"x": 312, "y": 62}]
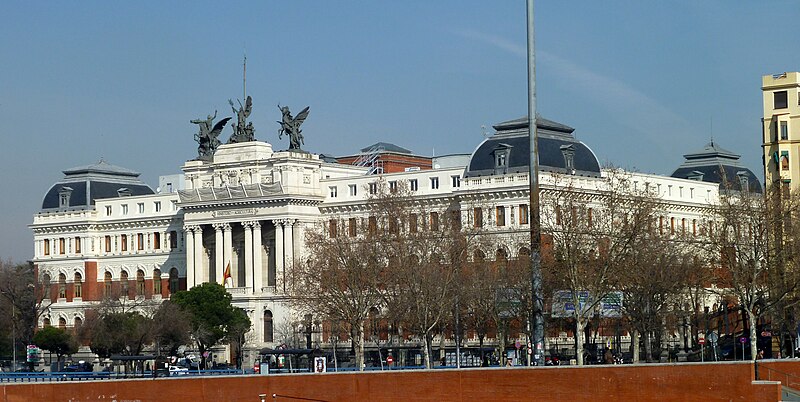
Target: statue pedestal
[{"x": 242, "y": 152}]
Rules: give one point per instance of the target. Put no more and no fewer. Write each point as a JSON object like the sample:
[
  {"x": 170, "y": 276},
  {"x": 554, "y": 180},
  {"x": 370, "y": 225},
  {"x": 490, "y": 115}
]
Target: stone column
[
  {"x": 289, "y": 243},
  {"x": 248, "y": 255},
  {"x": 227, "y": 248},
  {"x": 199, "y": 270},
  {"x": 279, "y": 281},
  {"x": 219, "y": 259},
  {"x": 299, "y": 228},
  {"x": 258, "y": 268},
  {"x": 189, "y": 256}
]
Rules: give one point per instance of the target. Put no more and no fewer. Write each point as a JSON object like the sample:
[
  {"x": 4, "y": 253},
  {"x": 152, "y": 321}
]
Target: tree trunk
[
  {"x": 579, "y": 341},
  {"x": 480, "y": 344},
  {"x": 635, "y": 345},
  {"x": 426, "y": 342},
  {"x": 358, "y": 344},
  {"x": 648, "y": 346},
  {"x": 753, "y": 336}
]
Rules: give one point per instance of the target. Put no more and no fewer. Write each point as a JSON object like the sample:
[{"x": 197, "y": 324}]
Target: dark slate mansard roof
[
  {"x": 93, "y": 182},
  {"x": 714, "y": 164},
  {"x": 554, "y": 140}
]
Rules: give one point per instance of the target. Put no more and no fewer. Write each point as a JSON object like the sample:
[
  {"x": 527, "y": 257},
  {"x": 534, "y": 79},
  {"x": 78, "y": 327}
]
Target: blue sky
[{"x": 641, "y": 82}]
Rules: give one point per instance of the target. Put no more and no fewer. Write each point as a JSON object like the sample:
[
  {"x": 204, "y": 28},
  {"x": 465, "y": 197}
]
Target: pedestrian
[{"x": 760, "y": 355}]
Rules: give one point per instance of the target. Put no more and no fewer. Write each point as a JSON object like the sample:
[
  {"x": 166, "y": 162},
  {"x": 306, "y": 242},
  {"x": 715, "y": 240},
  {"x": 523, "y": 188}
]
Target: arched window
[
  {"x": 78, "y": 322},
  {"x": 524, "y": 252},
  {"x": 78, "y": 285},
  {"x": 46, "y": 322},
  {"x": 501, "y": 255},
  {"x": 173, "y": 280},
  {"x": 156, "y": 281},
  {"x": 140, "y": 282},
  {"x": 107, "y": 284},
  {"x": 47, "y": 293},
  {"x": 62, "y": 323},
  {"x": 123, "y": 279},
  {"x": 478, "y": 256},
  {"x": 268, "y": 331},
  {"x": 62, "y": 286}
]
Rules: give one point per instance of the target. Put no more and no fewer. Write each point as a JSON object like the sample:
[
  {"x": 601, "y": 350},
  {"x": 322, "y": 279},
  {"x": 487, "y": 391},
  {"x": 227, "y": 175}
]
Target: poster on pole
[{"x": 320, "y": 365}]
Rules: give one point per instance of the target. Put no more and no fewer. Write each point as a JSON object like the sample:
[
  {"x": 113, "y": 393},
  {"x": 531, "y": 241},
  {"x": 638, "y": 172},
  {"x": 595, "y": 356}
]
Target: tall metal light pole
[{"x": 537, "y": 316}]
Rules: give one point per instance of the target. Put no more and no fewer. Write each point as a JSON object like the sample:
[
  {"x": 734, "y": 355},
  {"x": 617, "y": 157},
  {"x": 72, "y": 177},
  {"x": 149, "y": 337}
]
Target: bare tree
[
  {"x": 753, "y": 242},
  {"x": 342, "y": 279},
  {"x": 594, "y": 233}
]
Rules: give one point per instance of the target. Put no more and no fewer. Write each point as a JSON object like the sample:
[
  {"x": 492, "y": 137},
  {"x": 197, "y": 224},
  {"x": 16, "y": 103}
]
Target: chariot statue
[{"x": 242, "y": 130}]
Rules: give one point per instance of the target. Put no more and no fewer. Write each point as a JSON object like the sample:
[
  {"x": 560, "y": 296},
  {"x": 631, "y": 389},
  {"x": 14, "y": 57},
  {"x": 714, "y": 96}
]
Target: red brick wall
[{"x": 684, "y": 382}]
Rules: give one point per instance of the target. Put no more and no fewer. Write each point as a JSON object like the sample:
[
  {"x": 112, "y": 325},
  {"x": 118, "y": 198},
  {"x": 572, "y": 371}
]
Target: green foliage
[
  {"x": 213, "y": 317},
  {"x": 56, "y": 340}
]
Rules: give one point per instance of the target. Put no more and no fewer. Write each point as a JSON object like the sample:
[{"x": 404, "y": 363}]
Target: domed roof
[
  {"x": 714, "y": 164},
  {"x": 508, "y": 150},
  {"x": 82, "y": 185}
]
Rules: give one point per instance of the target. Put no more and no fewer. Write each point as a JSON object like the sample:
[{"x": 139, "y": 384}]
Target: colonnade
[{"x": 288, "y": 233}]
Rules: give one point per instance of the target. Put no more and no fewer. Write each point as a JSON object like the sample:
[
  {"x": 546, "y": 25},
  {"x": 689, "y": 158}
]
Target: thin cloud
[{"x": 628, "y": 107}]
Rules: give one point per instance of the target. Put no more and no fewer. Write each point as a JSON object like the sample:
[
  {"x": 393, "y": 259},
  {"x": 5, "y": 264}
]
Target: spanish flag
[{"x": 227, "y": 280}]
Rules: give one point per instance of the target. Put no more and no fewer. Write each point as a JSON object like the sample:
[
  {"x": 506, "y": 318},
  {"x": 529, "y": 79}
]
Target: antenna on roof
[
  {"x": 244, "y": 76},
  {"x": 712, "y": 130}
]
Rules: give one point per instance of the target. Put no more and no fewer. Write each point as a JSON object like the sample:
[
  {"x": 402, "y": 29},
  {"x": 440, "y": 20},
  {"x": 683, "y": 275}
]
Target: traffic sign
[
  {"x": 701, "y": 341},
  {"x": 389, "y": 359},
  {"x": 517, "y": 344},
  {"x": 743, "y": 340}
]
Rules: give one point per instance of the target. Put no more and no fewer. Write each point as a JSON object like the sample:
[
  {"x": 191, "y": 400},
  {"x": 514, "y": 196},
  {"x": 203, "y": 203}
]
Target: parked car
[
  {"x": 79, "y": 367},
  {"x": 175, "y": 370}
]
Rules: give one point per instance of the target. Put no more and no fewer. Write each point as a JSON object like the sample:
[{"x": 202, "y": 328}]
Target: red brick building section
[{"x": 387, "y": 158}]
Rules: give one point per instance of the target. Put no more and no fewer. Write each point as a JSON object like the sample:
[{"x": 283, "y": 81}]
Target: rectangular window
[
  {"x": 351, "y": 227},
  {"x": 412, "y": 223},
  {"x": 393, "y": 226},
  {"x": 332, "y": 228},
  {"x": 785, "y": 186},
  {"x": 784, "y": 162},
  {"x": 414, "y": 184},
  {"x": 46, "y": 247},
  {"x": 174, "y": 205},
  {"x": 434, "y": 183},
  {"x": 477, "y": 217},
  {"x": 501, "y": 216},
  {"x": 61, "y": 245},
  {"x": 108, "y": 210},
  {"x": 77, "y": 245},
  {"x": 140, "y": 207},
  {"x": 78, "y": 288},
  {"x": 373, "y": 188},
  {"x": 173, "y": 239},
  {"x": 108, "y": 244},
  {"x": 156, "y": 240},
  {"x": 523, "y": 214},
  {"x": 353, "y": 190},
  {"x": 456, "y": 181},
  {"x": 393, "y": 186},
  {"x": 781, "y": 100},
  {"x": 589, "y": 217},
  {"x": 140, "y": 241},
  {"x": 672, "y": 226},
  {"x": 334, "y": 191},
  {"x": 434, "y": 221},
  {"x": 372, "y": 226},
  {"x": 124, "y": 242},
  {"x": 784, "y": 130},
  {"x": 124, "y": 209},
  {"x": 157, "y": 206}
]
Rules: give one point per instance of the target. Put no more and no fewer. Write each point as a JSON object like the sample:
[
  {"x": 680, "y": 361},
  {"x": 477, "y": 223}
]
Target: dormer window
[
  {"x": 568, "y": 152},
  {"x": 695, "y": 175},
  {"x": 64, "y": 196},
  {"x": 744, "y": 180},
  {"x": 502, "y": 155},
  {"x": 124, "y": 192}
]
